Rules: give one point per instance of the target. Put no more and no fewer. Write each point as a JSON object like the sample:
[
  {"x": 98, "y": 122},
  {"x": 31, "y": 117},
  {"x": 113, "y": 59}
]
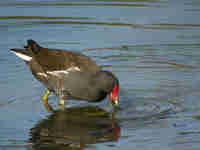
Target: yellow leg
[
  {"x": 45, "y": 101},
  {"x": 62, "y": 103},
  {"x": 45, "y": 97}
]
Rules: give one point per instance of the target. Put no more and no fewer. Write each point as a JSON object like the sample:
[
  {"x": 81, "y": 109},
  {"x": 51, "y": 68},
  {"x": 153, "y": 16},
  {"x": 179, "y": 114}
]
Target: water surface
[{"x": 151, "y": 45}]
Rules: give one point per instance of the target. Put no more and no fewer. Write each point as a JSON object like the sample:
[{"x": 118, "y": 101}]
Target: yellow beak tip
[{"x": 115, "y": 103}]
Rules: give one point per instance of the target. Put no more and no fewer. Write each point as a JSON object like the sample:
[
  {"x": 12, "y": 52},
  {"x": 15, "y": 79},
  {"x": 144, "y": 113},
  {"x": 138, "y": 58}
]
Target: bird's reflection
[{"x": 74, "y": 128}]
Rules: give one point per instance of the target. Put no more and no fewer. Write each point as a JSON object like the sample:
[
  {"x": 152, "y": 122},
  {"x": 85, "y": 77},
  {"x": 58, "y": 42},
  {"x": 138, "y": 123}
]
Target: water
[{"x": 153, "y": 48}]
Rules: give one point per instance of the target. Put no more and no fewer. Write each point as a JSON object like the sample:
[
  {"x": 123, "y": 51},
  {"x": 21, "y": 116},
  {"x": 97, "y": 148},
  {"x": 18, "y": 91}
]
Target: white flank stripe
[
  {"x": 41, "y": 74},
  {"x": 22, "y": 56},
  {"x": 74, "y": 69},
  {"x": 58, "y": 72}
]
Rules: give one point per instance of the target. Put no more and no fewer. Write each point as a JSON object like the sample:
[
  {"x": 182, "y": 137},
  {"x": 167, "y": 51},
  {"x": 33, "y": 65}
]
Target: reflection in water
[{"x": 74, "y": 128}]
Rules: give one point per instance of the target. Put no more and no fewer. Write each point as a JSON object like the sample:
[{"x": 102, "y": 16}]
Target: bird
[{"x": 68, "y": 74}]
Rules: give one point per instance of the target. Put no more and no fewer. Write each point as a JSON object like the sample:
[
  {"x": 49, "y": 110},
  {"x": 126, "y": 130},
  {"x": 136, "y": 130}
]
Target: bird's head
[{"x": 109, "y": 85}]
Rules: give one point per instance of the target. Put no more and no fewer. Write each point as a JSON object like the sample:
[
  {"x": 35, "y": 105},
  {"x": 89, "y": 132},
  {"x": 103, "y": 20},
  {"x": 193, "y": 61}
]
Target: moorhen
[{"x": 69, "y": 74}]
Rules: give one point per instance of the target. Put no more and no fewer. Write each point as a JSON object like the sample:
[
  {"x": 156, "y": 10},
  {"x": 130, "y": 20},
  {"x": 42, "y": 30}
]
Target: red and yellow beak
[
  {"x": 114, "y": 95},
  {"x": 114, "y": 99}
]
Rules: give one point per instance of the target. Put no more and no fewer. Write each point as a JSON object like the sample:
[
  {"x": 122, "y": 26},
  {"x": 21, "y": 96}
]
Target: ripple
[
  {"x": 144, "y": 26},
  {"x": 145, "y": 109},
  {"x": 161, "y": 26},
  {"x": 96, "y": 4},
  {"x": 40, "y": 17},
  {"x": 144, "y": 46}
]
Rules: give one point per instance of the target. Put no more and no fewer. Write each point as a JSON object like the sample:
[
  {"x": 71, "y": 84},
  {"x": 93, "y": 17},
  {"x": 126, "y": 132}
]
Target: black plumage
[{"x": 69, "y": 74}]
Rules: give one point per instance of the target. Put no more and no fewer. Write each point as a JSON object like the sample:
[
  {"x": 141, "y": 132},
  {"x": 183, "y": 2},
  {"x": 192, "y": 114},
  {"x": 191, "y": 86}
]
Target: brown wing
[{"x": 52, "y": 59}]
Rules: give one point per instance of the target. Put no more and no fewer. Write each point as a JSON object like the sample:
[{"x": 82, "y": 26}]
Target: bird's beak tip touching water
[{"x": 114, "y": 100}]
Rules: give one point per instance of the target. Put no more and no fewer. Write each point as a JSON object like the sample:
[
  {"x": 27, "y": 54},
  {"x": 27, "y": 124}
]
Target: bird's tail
[
  {"x": 28, "y": 52},
  {"x": 22, "y": 53}
]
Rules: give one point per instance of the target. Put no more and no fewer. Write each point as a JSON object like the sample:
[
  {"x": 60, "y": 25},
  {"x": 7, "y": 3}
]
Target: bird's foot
[
  {"x": 45, "y": 101},
  {"x": 62, "y": 103}
]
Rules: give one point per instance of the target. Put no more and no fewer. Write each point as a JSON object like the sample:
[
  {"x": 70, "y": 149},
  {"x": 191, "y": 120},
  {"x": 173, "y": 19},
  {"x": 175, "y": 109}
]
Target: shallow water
[{"x": 151, "y": 45}]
